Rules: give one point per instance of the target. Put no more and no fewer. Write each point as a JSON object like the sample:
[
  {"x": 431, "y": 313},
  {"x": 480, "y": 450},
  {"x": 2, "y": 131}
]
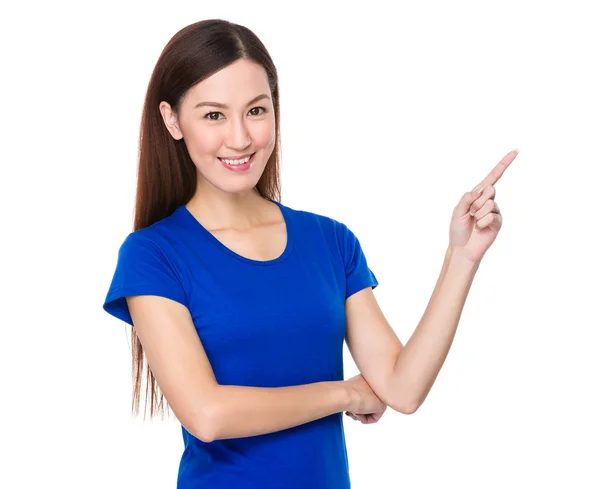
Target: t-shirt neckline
[{"x": 289, "y": 246}]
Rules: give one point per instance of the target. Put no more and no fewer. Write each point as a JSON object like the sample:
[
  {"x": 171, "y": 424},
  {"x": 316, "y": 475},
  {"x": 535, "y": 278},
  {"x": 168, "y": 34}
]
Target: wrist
[
  {"x": 456, "y": 255},
  {"x": 349, "y": 395}
]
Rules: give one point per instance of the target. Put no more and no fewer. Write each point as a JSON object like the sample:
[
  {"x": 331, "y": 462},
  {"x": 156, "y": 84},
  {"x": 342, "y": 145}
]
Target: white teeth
[{"x": 237, "y": 162}]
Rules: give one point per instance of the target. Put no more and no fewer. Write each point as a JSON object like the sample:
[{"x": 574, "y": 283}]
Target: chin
[
  {"x": 234, "y": 184},
  {"x": 237, "y": 189}
]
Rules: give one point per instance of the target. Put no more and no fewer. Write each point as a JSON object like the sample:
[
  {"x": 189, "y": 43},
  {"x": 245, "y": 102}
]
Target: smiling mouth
[{"x": 238, "y": 161}]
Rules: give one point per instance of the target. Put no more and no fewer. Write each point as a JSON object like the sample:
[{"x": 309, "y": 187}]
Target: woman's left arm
[{"x": 402, "y": 376}]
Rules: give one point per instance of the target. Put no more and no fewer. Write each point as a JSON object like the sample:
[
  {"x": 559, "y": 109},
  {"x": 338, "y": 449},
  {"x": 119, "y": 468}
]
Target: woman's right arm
[{"x": 210, "y": 411}]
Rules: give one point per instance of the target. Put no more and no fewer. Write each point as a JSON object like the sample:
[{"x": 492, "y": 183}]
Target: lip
[
  {"x": 240, "y": 167},
  {"x": 235, "y": 157}
]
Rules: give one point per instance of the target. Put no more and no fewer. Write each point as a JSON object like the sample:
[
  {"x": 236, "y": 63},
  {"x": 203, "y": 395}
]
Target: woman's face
[{"x": 228, "y": 115}]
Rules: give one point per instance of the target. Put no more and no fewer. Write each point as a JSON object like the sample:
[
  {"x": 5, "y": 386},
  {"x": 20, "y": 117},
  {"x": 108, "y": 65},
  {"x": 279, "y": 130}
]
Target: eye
[
  {"x": 210, "y": 117},
  {"x": 262, "y": 108}
]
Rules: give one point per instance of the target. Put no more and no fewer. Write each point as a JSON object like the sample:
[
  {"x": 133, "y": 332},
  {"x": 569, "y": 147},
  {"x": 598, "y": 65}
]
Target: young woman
[{"x": 241, "y": 304}]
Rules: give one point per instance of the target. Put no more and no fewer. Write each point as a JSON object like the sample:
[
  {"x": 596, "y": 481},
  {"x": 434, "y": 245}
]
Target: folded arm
[{"x": 210, "y": 411}]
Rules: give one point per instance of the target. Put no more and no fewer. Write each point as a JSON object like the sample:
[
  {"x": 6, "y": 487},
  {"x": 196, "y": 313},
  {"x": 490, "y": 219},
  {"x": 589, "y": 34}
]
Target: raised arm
[
  {"x": 211, "y": 411},
  {"x": 403, "y": 375}
]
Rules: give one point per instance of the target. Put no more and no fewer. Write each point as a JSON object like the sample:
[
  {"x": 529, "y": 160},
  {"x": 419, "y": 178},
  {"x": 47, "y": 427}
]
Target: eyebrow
[{"x": 224, "y": 106}]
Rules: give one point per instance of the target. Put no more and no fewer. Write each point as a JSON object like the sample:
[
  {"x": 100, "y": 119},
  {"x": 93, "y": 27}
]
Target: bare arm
[
  {"x": 247, "y": 411},
  {"x": 420, "y": 361},
  {"x": 210, "y": 411},
  {"x": 402, "y": 376}
]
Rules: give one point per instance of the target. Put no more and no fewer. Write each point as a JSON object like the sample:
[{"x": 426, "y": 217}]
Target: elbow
[
  {"x": 402, "y": 399},
  {"x": 408, "y": 409},
  {"x": 206, "y": 425},
  {"x": 405, "y": 406},
  {"x": 206, "y": 433}
]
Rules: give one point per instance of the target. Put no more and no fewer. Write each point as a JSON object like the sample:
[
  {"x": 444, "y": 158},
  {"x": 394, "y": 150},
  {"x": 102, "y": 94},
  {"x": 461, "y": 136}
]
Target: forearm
[
  {"x": 248, "y": 411},
  {"x": 421, "y": 359}
]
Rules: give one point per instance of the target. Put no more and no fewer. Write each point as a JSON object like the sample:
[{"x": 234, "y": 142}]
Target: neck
[{"x": 216, "y": 209}]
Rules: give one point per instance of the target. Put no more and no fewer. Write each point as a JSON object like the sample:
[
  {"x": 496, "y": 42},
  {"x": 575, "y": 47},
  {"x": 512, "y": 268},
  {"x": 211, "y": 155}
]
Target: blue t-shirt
[{"x": 271, "y": 323}]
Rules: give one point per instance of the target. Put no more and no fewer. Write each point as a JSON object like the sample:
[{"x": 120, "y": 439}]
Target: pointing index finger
[{"x": 498, "y": 170}]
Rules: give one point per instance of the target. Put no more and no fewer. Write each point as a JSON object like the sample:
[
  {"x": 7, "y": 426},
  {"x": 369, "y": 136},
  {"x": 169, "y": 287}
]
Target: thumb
[{"x": 467, "y": 199}]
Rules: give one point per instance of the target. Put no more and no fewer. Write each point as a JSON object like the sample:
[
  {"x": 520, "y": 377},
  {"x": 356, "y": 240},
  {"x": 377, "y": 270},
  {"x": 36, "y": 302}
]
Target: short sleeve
[
  {"x": 358, "y": 273},
  {"x": 142, "y": 269}
]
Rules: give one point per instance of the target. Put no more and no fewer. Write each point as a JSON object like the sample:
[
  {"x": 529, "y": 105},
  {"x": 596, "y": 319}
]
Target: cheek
[
  {"x": 263, "y": 135},
  {"x": 204, "y": 142}
]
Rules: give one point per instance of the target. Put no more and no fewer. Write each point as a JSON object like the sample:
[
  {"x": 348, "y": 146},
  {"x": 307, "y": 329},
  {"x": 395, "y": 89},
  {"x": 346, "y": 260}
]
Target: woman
[{"x": 241, "y": 304}]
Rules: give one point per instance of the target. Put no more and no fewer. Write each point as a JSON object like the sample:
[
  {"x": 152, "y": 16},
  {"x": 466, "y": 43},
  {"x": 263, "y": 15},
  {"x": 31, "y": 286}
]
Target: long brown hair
[{"x": 166, "y": 175}]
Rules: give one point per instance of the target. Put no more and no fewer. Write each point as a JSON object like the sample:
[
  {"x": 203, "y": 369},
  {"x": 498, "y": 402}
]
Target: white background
[{"x": 389, "y": 112}]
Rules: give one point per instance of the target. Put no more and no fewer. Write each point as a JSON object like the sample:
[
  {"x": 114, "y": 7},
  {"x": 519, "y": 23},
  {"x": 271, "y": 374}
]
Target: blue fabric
[{"x": 262, "y": 323}]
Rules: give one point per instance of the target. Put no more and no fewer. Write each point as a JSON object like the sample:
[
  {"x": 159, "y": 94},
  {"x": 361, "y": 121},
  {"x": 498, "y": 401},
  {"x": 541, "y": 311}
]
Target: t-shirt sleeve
[
  {"x": 358, "y": 273},
  {"x": 142, "y": 269}
]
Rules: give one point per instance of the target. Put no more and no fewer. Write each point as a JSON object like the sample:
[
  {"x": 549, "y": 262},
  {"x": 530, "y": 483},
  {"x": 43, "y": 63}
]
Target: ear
[{"x": 170, "y": 120}]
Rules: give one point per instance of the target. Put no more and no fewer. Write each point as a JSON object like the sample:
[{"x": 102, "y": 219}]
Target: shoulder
[
  {"x": 156, "y": 239},
  {"x": 327, "y": 224},
  {"x": 342, "y": 243},
  {"x": 311, "y": 224}
]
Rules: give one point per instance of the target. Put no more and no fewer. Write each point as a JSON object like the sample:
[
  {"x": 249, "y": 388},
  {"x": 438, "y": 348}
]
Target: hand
[
  {"x": 476, "y": 219},
  {"x": 365, "y": 405}
]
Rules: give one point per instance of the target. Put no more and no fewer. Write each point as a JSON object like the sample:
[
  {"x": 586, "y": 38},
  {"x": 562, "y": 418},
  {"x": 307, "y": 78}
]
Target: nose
[{"x": 238, "y": 137}]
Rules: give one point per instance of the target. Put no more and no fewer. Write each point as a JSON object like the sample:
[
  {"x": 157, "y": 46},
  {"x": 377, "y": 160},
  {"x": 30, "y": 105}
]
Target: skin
[
  {"x": 402, "y": 375},
  {"x": 225, "y": 200},
  {"x": 477, "y": 220}
]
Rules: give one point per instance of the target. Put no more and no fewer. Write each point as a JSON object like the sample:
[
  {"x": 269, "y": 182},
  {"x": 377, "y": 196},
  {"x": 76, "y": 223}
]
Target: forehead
[{"x": 233, "y": 85}]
